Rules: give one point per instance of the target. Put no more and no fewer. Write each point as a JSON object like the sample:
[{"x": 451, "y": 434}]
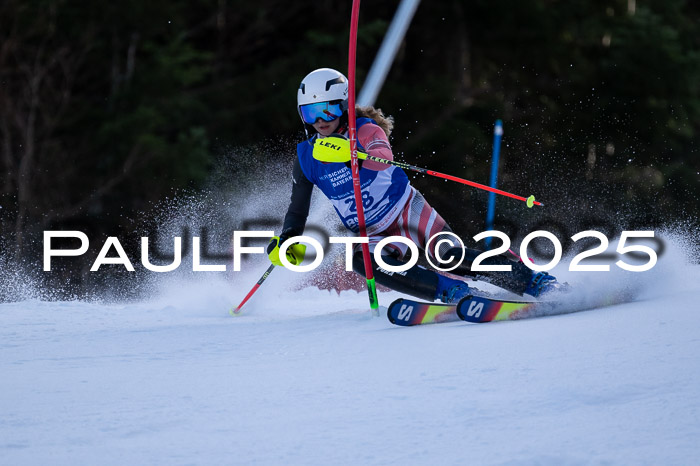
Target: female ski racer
[{"x": 392, "y": 207}]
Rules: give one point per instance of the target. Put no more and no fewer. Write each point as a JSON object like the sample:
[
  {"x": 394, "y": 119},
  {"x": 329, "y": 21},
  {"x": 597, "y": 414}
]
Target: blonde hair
[{"x": 383, "y": 121}]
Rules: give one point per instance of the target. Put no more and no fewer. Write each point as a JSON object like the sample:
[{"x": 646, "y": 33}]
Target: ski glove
[
  {"x": 334, "y": 149},
  {"x": 295, "y": 252}
]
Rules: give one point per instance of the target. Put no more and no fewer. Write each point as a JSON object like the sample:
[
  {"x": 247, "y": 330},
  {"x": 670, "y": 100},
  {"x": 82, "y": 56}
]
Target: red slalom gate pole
[{"x": 352, "y": 130}]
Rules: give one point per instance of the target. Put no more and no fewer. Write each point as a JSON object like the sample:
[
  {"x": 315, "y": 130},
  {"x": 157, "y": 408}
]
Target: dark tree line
[{"x": 108, "y": 107}]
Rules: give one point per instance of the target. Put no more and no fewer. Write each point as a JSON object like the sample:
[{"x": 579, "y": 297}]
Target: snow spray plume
[
  {"x": 249, "y": 190},
  {"x": 675, "y": 271},
  {"x": 15, "y": 284}
]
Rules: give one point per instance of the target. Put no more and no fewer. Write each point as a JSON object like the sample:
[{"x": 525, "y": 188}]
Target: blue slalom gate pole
[{"x": 491, "y": 212}]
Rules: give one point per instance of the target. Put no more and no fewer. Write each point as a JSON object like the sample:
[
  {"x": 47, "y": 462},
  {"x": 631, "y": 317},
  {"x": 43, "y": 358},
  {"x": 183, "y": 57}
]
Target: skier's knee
[
  {"x": 415, "y": 281},
  {"x": 358, "y": 261}
]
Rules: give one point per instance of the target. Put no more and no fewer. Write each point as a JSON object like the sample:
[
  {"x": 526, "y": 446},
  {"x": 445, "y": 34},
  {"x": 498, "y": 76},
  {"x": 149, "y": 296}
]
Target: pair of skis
[{"x": 476, "y": 309}]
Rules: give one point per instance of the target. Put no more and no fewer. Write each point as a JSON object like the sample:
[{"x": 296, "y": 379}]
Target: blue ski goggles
[{"x": 327, "y": 111}]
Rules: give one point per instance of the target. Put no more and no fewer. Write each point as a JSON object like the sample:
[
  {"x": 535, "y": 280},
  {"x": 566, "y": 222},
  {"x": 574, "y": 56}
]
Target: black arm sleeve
[{"x": 298, "y": 211}]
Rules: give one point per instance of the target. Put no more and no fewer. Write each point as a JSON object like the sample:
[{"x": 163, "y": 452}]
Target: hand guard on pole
[
  {"x": 334, "y": 149},
  {"x": 295, "y": 253}
]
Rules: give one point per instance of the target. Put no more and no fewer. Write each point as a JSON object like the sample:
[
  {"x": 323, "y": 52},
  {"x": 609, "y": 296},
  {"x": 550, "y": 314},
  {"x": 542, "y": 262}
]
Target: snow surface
[{"x": 309, "y": 377}]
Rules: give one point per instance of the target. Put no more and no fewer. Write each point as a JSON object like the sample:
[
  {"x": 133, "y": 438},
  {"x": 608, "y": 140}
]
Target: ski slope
[{"x": 309, "y": 377}]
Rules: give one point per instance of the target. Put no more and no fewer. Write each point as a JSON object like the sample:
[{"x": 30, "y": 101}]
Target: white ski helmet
[{"x": 323, "y": 85}]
